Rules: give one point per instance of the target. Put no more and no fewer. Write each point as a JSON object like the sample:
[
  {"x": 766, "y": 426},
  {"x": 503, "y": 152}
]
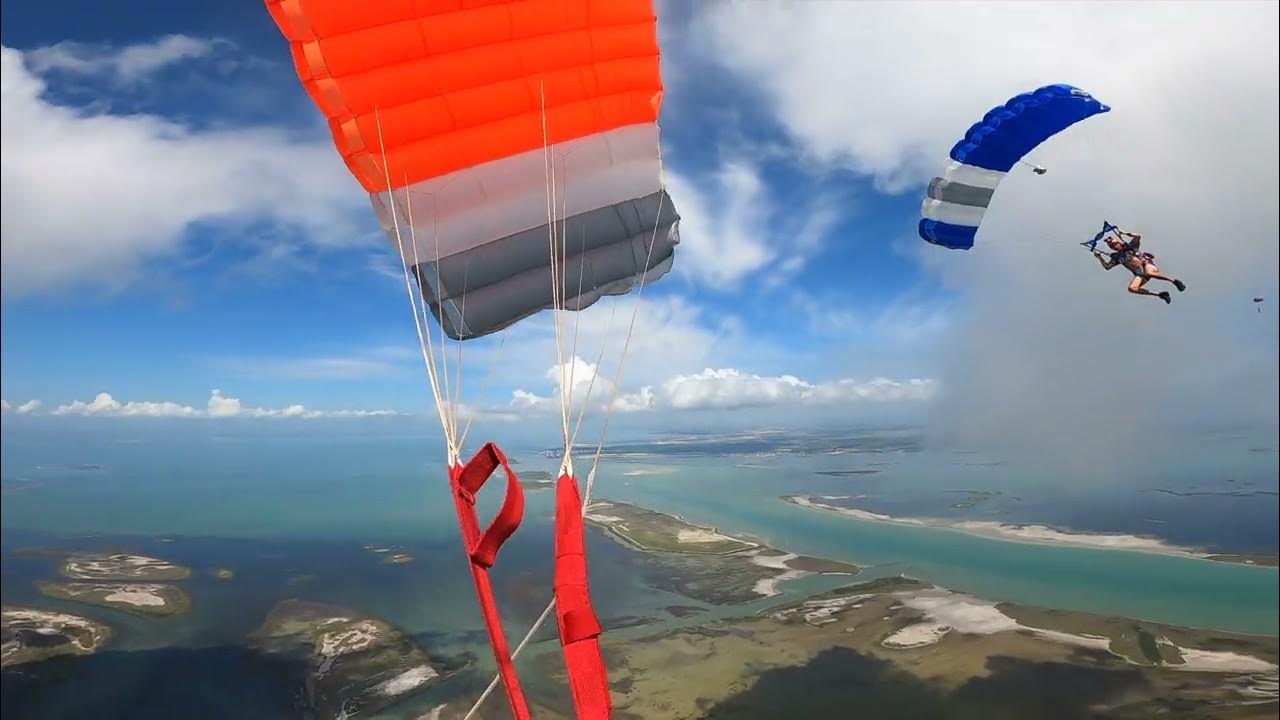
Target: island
[
  {"x": 389, "y": 555},
  {"x": 343, "y": 662},
  {"x": 896, "y": 643},
  {"x": 1029, "y": 533},
  {"x": 534, "y": 480},
  {"x": 137, "y": 598},
  {"x": 29, "y": 635},
  {"x": 701, "y": 562},
  {"x": 121, "y": 566},
  {"x": 848, "y": 473},
  {"x": 971, "y": 497}
]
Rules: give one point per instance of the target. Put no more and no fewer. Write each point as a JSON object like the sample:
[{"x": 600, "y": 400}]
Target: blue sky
[{"x": 176, "y": 220}]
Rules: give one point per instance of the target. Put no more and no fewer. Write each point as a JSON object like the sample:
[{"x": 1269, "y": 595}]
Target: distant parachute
[
  {"x": 1258, "y": 300},
  {"x": 958, "y": 198}
]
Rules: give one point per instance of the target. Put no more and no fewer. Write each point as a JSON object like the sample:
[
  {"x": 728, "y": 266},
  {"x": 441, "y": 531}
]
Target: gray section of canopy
[
  {"x": 494, "y": 285},
  {"x": 959, "y": 193}
]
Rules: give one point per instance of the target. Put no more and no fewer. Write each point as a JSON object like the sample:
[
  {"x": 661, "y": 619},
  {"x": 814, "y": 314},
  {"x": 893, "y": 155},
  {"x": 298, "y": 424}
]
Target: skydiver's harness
[
  {"x": 1123, "y": 256},
  {"x": 579, "y": 629}
]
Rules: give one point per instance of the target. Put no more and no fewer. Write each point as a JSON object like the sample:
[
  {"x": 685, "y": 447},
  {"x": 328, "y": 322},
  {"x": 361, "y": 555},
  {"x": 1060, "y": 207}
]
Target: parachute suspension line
[
  {"x": 444, "y": 347},
  {"x": 423, "y": 338},
  {"x": 557, "y": 294},
  {"x": 577, "y": 316},
  {"x": 457, "y": 366},
  {"x": 626, "y": 345},
  {"x": 442, "y": 398},
  {"x": 493, "y": 684},
  {"x": 586, "y": 497},
  {"x": 1036, "y": 168}
]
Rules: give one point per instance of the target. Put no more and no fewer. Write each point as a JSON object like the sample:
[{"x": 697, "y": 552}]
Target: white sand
[
  {"x": 97, "y": 567},
  {"x": 407, "y": 680},
  {"x": 51, "y": 623},
  {"x": 701, "y": 535},
  {"x": 433, "y": 713},
  {"x": 142, "y": 595},
  {"x": 1225, "y": 662},
  {"x": 970, "y": 615},
  {"x": 1016, "y": 533},
  {"x": 821, "y": 612},
  {"x": 768, "y": 587},
  {"x": 918, "y": 635},
  {"x": 353, "y": 639}
]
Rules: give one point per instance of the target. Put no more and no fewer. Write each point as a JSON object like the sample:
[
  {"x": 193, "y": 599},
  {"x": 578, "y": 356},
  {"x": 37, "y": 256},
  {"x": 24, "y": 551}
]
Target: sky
[{"x": 182, "y": 242}]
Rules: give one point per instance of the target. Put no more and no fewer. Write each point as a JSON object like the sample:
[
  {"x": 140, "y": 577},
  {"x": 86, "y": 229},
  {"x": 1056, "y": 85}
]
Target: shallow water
[{"x": 290, "y": 516}]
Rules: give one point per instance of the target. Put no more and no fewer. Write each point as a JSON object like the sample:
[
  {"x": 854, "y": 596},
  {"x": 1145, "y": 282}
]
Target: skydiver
[{"x": 1141, "y": 264}]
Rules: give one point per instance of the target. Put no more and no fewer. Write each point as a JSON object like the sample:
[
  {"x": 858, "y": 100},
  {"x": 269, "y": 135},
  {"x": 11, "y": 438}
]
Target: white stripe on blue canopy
[{"x": 952, "y": 213}]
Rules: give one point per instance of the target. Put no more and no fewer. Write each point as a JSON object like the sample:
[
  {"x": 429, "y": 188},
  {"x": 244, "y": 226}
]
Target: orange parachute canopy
[{"x": 458, "y": 83}]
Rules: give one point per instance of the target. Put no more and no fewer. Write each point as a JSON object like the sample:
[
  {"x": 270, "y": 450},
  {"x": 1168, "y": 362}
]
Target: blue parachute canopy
[{"x": 957, "y": 199}]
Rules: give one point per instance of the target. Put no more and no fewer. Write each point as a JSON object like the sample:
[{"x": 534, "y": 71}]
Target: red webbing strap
[
  {"x": 579, "y": 628},
  {"x": 482, "y": 550}
]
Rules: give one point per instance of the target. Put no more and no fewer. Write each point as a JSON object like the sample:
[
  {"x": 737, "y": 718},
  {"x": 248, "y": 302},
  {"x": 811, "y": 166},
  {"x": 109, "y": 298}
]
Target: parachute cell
[
  {"x": 475, "y": 106},
  {"x": 957, "y": 199}
]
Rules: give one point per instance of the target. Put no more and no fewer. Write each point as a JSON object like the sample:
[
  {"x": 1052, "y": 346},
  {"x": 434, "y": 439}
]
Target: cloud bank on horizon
[
  {"x": 1038, "y": 346},
  {"x": 219, "y": 406},
  {"x": 1050, "y": 349}
]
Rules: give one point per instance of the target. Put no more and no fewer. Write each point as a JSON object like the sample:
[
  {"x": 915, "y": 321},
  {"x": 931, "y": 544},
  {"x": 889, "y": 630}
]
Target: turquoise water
[
  {"x": 290, "y": 515},
  {"x": 385, "y": 490}
]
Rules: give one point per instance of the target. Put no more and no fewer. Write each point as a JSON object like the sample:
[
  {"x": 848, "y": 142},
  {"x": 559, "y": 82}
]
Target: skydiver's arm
[{"x": 1104, "y": 262}]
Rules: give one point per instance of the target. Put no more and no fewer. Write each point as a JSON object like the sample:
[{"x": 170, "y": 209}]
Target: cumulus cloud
[
  {"x": 88, "y": 197},
  {"x": 104, "y": 404},
  {"x": 4, "y": 405},
  {"x": 219, "y": 406},
  {"x": 127, "y": 64},
  {"x": 1046, "y": 350},
  {"x": 28, "y": 407},
  {"x": 718, "y": 389}
]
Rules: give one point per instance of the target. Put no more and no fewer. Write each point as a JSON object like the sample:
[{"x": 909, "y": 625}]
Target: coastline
[{"x": 1037, "y": 534}]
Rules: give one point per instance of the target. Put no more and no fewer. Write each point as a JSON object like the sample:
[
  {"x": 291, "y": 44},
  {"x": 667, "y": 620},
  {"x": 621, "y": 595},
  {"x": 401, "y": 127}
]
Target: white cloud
[
  {"x": 721, "y": 389},
  {"x": 28, "y": 407},
  {"x": 1048, "y": 347},
  {"x": 671, "y": 334},
  {"x": 104, "y": 404},
  {"x": 219, "y": 406},
  {"x": 731, "y": 228},
  {"x": 4, "y": 405},
  {"x": 88, "y": 197},
  {"x": 731, "y": 389},
  {"x": 128, "y": 64}
]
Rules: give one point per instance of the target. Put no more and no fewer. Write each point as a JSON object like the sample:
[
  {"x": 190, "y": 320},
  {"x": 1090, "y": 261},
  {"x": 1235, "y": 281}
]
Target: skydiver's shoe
[
  {"x": 1164, "y": 295},
  {"x": 1180, "y": 285}
]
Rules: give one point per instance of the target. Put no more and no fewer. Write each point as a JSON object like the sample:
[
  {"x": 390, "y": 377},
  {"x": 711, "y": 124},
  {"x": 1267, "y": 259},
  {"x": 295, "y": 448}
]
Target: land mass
[
  {"x": 138, "y": 598},
  {"x": 898, "y": 643},
  {"x": 343, "y": 662},
  {"x": 700, "y": 562},
  {"x": 1032, "y": 533},
  {"x": 121, "y": 566},
  {"x": 30, "y": 635}
]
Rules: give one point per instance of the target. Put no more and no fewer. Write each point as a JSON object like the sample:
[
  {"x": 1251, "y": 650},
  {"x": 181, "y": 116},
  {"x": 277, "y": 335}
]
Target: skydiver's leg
[
  {"x": 1136, "y": 287},
  {"x": 1154, "y": 272}
]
